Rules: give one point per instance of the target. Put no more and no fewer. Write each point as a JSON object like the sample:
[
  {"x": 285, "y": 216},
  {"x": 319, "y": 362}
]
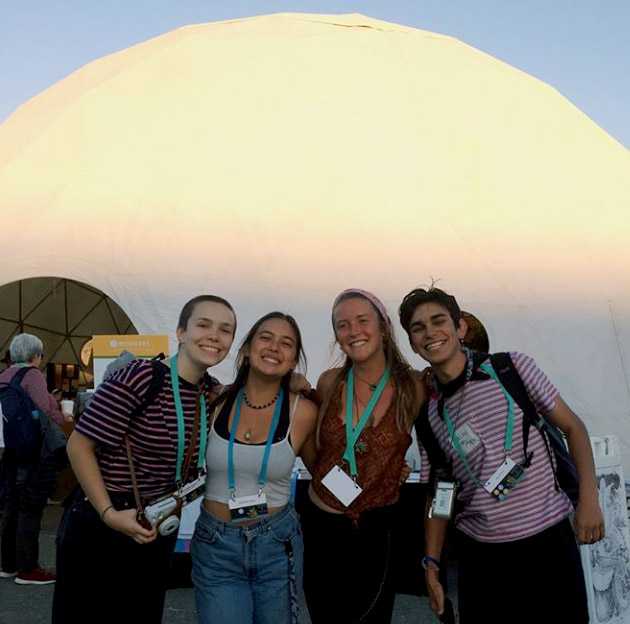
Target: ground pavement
[{"x": 31, "y": 604}]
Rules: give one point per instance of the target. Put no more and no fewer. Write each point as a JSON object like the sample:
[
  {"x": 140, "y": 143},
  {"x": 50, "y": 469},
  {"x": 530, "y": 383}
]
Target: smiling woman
[
  {"x": 128, "y": 450},
  {"x": 368, "y": 408},
  {"x": 253, "y": 572},
  {"x": 205, "y": 331}
]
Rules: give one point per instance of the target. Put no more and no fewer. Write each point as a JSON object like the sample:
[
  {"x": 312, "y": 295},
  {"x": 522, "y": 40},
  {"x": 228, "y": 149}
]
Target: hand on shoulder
[
  {"x": 304, "y": 422},
  {"x": 326, "y": 382},
  {"x": 423, "y": 384}
]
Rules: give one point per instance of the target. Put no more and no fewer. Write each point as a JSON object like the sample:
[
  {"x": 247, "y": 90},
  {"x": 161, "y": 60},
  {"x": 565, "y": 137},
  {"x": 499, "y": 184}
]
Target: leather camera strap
[
  {"x": 193, "y": 442},
  {"x": 187, "y": 460},
  {"x": 134, "y": 481}
]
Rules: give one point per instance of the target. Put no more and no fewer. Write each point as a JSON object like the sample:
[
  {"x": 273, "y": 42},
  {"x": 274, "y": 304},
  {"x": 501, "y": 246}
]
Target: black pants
[
  {"x": 348, "y": 576},
  {"x": 25, "y": 491},
  {"x": 534, "y": 580},
  {"x": 104, "y": 576}
]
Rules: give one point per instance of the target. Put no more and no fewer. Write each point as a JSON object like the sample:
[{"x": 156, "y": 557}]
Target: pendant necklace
[
  {"x": 371, "y": 386},
  {"x": 248, "y": 434}
]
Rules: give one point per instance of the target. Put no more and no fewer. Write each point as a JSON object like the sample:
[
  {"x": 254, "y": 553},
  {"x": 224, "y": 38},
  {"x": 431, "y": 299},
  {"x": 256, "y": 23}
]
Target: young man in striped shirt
[{"x": 518, "y": 557}]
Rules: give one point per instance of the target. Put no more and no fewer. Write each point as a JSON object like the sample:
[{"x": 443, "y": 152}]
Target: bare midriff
[{"x": 222, "y": 512}]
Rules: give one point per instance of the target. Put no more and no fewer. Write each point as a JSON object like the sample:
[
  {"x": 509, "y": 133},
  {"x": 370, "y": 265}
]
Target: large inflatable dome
[{"x": 279, "y": 159}]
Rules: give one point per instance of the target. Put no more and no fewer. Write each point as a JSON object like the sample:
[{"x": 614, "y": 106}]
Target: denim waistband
[{"x": 259, "y": 527}]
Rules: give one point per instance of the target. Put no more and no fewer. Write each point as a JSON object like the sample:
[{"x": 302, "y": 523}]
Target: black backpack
[
  {"x": 21, "y": 419},
  {"x": 565, "y": 473}
]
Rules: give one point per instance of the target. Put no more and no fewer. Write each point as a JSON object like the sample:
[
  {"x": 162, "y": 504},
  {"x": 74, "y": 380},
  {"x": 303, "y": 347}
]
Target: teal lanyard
[
  {"x": 181, "y": 428},
  {"x": 509, "y": 426},
  {"x": 262, "y": 475},
  {"x": 353, "y": 433}
]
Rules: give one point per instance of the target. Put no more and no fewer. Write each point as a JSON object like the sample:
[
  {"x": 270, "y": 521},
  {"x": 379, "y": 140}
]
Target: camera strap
[
  {"x": 183, "y": 465},
  {"x": 181, "y": 426},
  {"x": 134, "y": 481},
  {"x": 192, "y": 444}
]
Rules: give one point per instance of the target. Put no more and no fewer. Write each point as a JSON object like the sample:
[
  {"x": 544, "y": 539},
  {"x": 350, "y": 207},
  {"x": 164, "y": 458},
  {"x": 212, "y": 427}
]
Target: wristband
[
  {"x": 105, "y": 511},
  {"x": 430, "y": 563}
]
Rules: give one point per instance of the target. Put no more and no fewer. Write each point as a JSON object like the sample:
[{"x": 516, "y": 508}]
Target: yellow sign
[
  {"x": 140, "y": 345},
  {"x": 106, "y": 349}
]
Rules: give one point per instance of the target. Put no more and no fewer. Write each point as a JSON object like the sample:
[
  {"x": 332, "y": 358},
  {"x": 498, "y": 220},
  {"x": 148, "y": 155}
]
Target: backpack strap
[
  {"x": 513, "y": 383},
  {"x": 155, "y": 386},
  {"x": 440, "y": 464},
  {"x": 16, "y": 380}
]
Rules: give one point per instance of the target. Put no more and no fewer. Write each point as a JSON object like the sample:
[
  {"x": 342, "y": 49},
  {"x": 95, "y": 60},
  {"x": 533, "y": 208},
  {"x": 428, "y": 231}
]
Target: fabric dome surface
[{"x": 279, "y": 159}]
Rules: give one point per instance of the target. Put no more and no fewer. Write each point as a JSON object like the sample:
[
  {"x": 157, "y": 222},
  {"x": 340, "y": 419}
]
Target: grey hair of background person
[{"x": 25, "y": 347}]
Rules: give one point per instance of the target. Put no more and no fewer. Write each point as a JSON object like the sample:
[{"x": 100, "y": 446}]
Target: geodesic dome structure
[
  {"x": 63, "y": 313},
  {"x": 279, "y": 159}
]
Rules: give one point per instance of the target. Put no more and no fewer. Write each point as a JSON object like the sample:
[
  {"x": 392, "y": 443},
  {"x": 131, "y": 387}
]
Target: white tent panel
[{"x": 279, "y": 159}]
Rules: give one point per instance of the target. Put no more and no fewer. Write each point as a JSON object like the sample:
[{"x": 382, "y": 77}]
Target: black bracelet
[{"x": 105, "y": 511}]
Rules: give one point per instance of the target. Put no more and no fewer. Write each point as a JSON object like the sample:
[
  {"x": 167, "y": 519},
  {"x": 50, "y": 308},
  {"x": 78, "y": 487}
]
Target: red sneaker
[{"x": 38, "y": 576}]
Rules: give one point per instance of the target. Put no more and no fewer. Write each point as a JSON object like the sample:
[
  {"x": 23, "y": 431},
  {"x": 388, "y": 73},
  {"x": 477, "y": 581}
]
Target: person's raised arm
[
  {"x": 589, "y": 520},
  {"x": 35, "y": 385},
  {"x": 82, "y": 454},
  {"x": 303, "y": 432},
  {"x": 308, "y": 452}
]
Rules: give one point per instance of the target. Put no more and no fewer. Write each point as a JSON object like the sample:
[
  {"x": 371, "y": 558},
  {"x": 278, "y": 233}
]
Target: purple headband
[{"x": 373, "y": 299}]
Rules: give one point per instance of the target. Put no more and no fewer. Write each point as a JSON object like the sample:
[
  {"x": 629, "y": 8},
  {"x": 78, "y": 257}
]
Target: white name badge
[
  {"x": 246, "y": 508},
  {"x": 443, "y": 500},
  {"x": 499, "y": 474},
  {"x": 468, "y": 439},
  {"x": 341, "y": 486}
]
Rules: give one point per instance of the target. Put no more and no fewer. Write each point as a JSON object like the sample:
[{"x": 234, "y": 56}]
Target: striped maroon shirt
[
  {"x": 152, "y": 433},
  {"x": 534, "y": 504}
]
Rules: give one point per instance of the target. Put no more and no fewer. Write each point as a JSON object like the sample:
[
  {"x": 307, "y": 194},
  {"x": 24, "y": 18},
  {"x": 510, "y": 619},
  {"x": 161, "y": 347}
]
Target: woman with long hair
[
  {"x": 368, "y": 408},
  {"x": 247, "y": 547},
  {"x": 141, "y": 438}
]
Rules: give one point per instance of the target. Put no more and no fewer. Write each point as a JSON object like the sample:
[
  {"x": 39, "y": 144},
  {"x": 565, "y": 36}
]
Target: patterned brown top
[{"x": 379, "y": 465}]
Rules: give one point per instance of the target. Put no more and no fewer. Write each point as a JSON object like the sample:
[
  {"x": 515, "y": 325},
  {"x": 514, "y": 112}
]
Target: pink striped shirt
[
  {"x": 534, "y": 504},
  {"x": 152, "y": 433}
]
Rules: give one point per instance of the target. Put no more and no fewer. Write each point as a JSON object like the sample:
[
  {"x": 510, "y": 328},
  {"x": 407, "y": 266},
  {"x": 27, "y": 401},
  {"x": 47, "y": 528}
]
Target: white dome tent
[{"x": 279, "y": 159}]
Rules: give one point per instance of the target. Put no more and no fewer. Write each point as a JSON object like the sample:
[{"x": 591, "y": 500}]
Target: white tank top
[{"x": 247, "y": 461}]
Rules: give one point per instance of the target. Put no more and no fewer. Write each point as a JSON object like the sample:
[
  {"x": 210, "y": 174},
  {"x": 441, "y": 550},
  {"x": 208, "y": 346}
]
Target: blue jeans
[{"x": 248, "y": 575}]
